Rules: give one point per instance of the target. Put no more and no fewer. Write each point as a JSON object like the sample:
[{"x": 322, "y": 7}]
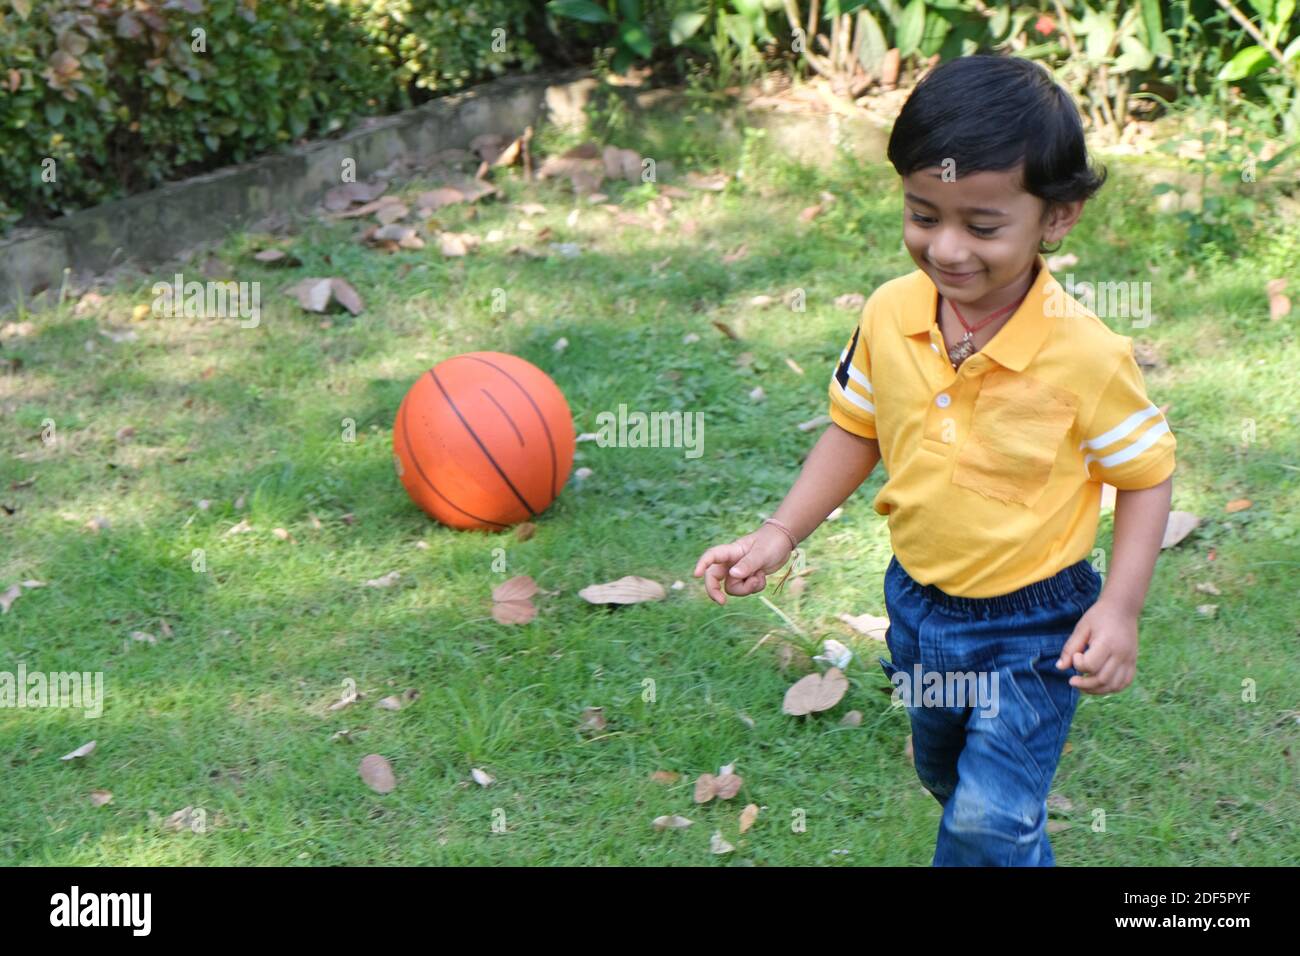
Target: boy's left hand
[{"x": 1110, "y": 634}]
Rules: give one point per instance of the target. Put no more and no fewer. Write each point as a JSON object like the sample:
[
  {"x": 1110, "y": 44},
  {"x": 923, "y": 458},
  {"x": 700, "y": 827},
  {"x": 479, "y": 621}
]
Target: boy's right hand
[{"x": 742, "y": 566}]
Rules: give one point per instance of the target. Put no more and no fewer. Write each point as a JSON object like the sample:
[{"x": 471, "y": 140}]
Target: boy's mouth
[{"x": 955, "y": 278}]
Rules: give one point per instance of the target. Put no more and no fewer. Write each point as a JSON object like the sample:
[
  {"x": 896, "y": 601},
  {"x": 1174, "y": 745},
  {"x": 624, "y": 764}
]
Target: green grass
[{"x": 229, "y": 715}]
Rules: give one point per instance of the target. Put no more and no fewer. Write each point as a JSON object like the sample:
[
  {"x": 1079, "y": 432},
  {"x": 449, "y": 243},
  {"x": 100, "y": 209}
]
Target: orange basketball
[{"x": 483, "y": 440}]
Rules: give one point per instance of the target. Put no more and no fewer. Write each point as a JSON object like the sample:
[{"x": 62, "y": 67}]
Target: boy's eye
[{"x": 982, "y": 231}]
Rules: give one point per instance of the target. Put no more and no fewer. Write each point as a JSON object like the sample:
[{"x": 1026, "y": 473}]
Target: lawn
[{"x": 228, "y": 715}]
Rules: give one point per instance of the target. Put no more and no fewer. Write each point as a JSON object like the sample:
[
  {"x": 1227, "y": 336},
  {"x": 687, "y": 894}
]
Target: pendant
[{"x": 961, "y": 351}]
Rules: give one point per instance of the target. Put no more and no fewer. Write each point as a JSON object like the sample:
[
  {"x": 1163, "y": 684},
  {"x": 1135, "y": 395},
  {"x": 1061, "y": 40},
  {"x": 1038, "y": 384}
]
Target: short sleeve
[
  {"x": 1128, "y": 443},
  {"x": 853, "y": 401}
]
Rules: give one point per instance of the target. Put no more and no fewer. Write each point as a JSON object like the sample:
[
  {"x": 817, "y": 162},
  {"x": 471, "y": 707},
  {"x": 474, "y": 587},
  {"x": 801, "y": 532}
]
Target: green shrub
[{"x": 100, "y": 98}]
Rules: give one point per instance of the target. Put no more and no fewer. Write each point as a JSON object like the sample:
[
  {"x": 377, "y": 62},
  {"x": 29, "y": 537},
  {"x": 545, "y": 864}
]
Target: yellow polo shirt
[{"x": 995, "y": 469}]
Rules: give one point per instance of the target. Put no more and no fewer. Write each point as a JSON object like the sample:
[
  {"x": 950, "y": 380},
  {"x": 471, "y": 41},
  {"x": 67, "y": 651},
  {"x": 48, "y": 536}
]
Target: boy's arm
[
  {"x": 1109, "y": 629},
  {"x": 837, "y": 465},
  {"x": 1140, "y": 521}
]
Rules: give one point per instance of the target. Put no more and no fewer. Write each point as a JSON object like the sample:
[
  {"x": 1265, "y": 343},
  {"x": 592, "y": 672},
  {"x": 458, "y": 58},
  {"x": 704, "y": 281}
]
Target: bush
[{"x": 105, "y": 97}]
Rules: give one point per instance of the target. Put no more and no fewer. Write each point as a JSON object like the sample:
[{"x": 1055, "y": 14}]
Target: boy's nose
[{"x": 946, "y": 251}]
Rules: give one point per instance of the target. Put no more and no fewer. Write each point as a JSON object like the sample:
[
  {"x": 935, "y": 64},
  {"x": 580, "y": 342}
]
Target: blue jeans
[{"x": 986, "y": 742}]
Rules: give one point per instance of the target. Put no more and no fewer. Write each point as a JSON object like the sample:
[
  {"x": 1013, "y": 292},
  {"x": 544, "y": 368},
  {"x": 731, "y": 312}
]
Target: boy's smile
[{"x": 977, "y": 236}]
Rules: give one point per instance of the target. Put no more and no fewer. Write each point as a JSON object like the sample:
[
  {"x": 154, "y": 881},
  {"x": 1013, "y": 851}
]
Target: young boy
[{"x": 999, "y": 406}]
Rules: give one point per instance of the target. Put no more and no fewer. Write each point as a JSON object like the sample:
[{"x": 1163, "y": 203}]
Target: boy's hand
[
  {"x": 743, "y": 565},
  {"x": 1110, "y": 633}
]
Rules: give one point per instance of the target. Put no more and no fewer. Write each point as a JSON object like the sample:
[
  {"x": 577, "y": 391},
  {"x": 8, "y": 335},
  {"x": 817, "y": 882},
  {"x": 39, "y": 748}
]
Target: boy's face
[{"x": 977, "y": 234}]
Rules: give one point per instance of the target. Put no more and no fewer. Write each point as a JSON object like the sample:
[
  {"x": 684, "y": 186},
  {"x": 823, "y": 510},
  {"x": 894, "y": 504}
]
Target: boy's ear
[{"x": 1059, "y": 218}]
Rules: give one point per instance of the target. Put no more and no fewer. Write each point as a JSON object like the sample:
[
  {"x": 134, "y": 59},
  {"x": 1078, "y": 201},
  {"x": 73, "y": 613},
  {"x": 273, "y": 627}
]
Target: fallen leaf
[
  {"x": 719, "y": 845},
  {"x": 525, "y": 530},
  {"x": 726, "y": 329},
  {"x": 666, "y": 777},
  {"x": 346, "y": 296},
  {"x": 710, "y": 182},
  {"x": 282, "y": 534},
  {"x": 748, "y": 816},
  {"x": 867, "y": 624},
  {"x": 277, "y": 257},
  {"x": 83, "y": 751},
  {"x": 384, "y": 581},
  {"x": 392, "y": 212},
  {"x": 391, "y": 703},
  {"x": 99, "y": 798},
  {"x": 671, "y": 823},
  {"x": 1178, "y": 527},
  {"x": 312, "y": 294},
  {"x": 851, "y": 301},
  {"x": 242, "y": 527},
  {"x": 593, "y": 720},
  {"x": 377, "y": 773},
  {"x": 736, "y": 254},
  {"x": 629, "y": 589},
  {"x": 143, "y": 637},
  {"x": 482, "y": 777},
  {"x": 1237, "y": 504},
  {"x": 907, "y": 750},
  {"x": 815, "y": 693},
  {"x": 97, "y": 523},
  {"x": 852, "y": 719},
  {"x": 7, "y": 599}
]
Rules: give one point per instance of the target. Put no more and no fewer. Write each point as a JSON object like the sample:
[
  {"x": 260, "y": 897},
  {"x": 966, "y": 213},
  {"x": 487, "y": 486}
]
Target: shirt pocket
[{"x": 1016, "y": 432}]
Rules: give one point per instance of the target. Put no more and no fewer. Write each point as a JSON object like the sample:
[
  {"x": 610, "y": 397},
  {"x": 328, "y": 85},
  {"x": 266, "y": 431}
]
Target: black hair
[{"x": 990, "y": 113}]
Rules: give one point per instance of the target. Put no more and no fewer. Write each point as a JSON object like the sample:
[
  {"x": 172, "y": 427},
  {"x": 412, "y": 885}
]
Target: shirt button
[{"x": 943, "y": 400}]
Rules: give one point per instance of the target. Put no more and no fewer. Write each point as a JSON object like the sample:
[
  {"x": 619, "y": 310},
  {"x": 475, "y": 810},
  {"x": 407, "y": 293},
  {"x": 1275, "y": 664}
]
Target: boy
[{"x": 999, "y": 406}]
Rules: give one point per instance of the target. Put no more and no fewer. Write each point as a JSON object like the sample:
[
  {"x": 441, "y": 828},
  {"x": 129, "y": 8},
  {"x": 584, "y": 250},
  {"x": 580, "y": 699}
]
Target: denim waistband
[{"x": 1062, "y": 586}]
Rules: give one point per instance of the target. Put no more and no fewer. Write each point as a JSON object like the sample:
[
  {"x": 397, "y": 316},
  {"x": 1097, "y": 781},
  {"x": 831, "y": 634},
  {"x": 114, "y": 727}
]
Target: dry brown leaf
[
  {"x": 593, "y": 720},
  {"x": 525, "y": 531},
  {"x": 815, "y": 693},
  {"x": 666, "y": 777},
  {"x": 392, "y": 212},
  {"x": 282, "y": 534},
  {"x": 346, "y": 295},
  {"x": 84, "y": 750},
  {"x": 513, "y": 612},
  {"x": 99, "y": 798},
  {"x": 390, "y": 703},
  {"x": 1178, "y": 527},
  {"x": 727, "y": 786},
  {"x": 532, "y": 208},
  {"x": 1237, "y": 504},
  {"x": 629, "y": 589},
  {"x": 277, "y": 257},
  {"x": 735, "y": 255},
  {"x": 726, "y": 329},
  {"x": 313, "y": 294},
  {"x": 341, "y": 197},
  {"x": 852, "y": 719},
  {"x": 384, "y": 581},
  {"x": 748, "y": 816},
  {"x": 706, "y": 788},
  {"x": 13, "y": 593},
  {"x": 622, "y": 164},
  {"x": 867, "y": 624},
  {"x": 671, "y": 823},
  {"x": 455, "y": 244},
  {"x": 719, "y": 845},
  {"x": 710, "y": 182},
  {"x": 377, "y": 773},
  {"x": 519, "y": 588}
]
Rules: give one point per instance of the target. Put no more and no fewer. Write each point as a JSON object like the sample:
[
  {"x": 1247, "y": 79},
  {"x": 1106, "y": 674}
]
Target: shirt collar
[{"x": 1016, "y": 343}]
